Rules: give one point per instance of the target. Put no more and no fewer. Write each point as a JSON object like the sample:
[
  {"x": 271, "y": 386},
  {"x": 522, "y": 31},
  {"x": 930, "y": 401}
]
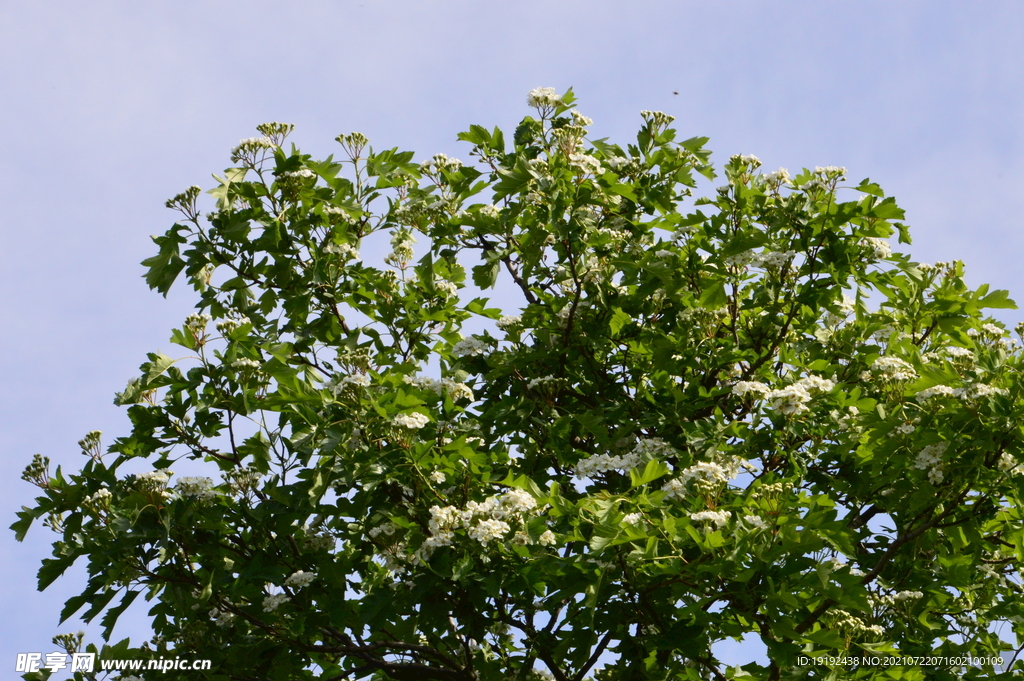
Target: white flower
[
  {"x": 879, "y": 247},
  {"x": 345, "y": 251},
  {"x": 300, "y": 579},
  {"x": 300, "y": 173},
  {"x": 274, "y": 601},
  {"x": 755, "y": 521},
  {"x": 790, "y": 400},
  {"x": 221, "y": 618},
  {"x": 547, "y": 539},
  {"x": 542, "y": 97},
  {"x": 893, "y": 369},
  {"x": 1006, "y": 462},
  {"x": 743, "y": 387},
  {"x": 438, "y": 477},
  {"x": 413, "y": 421},
  {"x": 718, "y": 518},
  {"x": 488, "y": 530},
  {"x": 631, "y": 518},
  {"x": 510, "y": 322},
  {"x": 779, "y": 177},
  {"x": 956, "y": 352},
  {"x": 934, "y": 391},
  {"x": 199, "y": 488},
  {"x": 246, "y": 363},
  {"x": 585, "y": 163},
  {"x": 664, "y": 255},
  {"x": 470, "y": 346},
  {"x": 907, "y": 595}
]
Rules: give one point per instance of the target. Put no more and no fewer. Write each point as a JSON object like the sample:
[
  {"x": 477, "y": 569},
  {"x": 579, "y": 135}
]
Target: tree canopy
[{"x": 695, "y": 419}]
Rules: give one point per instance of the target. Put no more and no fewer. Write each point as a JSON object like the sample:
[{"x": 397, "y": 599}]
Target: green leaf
[
  {"x": 652, "y": 471},
  {"x": 619, "y": 319}
]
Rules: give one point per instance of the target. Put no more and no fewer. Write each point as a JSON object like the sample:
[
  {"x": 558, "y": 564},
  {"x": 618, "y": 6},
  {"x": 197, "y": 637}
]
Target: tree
[{"x": 732, "y": 416}]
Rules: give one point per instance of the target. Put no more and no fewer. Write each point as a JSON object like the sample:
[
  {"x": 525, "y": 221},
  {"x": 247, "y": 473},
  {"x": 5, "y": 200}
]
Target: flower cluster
[
  {"x": 601, "y": 463},
  {"x": 975, "y": 391},
  {"x": 470, "y": 346},
  {"x": 344, "y": 251},
  {"x": 246, "y": 149},
  {"x": 412, "y": 421},
  {"x": 718, "y": 518},
  {"x": 844, "y": 621},
  {"x": 934, "y": 391},
  {"x": 485, "y": 521},
  {"x": 543, "y": 98},
  {"x": 510, "y": 322},
  {"x": 197, "y": 488},
  {"x": 930, "y": 459},
  {"x": 890, "y": 369},
  {"x": 300, "y": 579},
  {"x": 274, "y": 601},
  {"x": 744, "y": 387},
  {"x": 457, "y": 391},
  {"x": 585, "y": 164},
  {"x": 154, "y": 481},
  {"x": 793, "y": 399},
  {"x": 226, "y": 326},
  {"x": 879, "y": 248}
]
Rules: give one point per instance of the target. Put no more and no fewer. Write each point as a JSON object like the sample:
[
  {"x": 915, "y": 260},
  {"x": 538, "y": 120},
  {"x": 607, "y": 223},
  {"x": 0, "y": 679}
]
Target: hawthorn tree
[{"x": 696, "y": 419}]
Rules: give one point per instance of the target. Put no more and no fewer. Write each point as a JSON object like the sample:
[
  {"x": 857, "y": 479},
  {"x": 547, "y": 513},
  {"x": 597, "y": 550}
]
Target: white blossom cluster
[
  {"x": 930, "y": 459},
  {"x": 440, "y": 162},
  {"x": 540, "y": 380},
  {"x": 337, "y": 383},
  {"x": 226, "y": 326},
  {"x": 300, "y": 174},
  {"x": 300, "y": 579},
  {"x": 468, "y": 347},
  {"x": 755, "y": 521},
  {"x": 249, "y": 146},
  {"x": 1007, "y": 463},
  {"x": 490, "y": 211},
  {"x": 387, "y": 528},
  {"x": 198, "y": 488},
  {"x": 274, "y": 601},
  {"x": 719, "y": 518},
  {"x": 402, "y": 243},
  {"x": 841, "y": 619},
  {"x": 484, "y": 521},
  {"x": 974, "y": 391},
  {"x": 196, "y": 323},
  {"x": 777, "y": 178},
  {"x": 447, "y": 289},
  {"x": 246, "y": 364},
  {"x": 412, "y": 421},
  {"x": 510, "y": 322},
  {"x": 879, "y": 248},
  {"x": 956, "y": 353},
  {"x": 154, "y": 480},
  {"x": 793, "y": 398},
  {"x": 891, "y": 369},
  {"x": 747, "y": 159},
  {"x": 934, "y": 391},
  {"x": 222, "y": 617},
  {"x": 317, "y": 541},
  {"x": 632, "y": 518},
  {"x": 830, "y": 171},
  {"x": 543, "y": 97},
  {"x": 344, "y": 251},
  {"x": 744, "y": 387},
  {"x": 585, "y": 163},
  {"x": 101, "y": 499},
  {"x": 457, "y": 391},
  {"x": 600, "y": 463}
]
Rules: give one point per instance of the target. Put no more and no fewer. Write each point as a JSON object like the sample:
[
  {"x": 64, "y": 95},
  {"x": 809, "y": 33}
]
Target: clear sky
[{"x": 109, "y": 108}]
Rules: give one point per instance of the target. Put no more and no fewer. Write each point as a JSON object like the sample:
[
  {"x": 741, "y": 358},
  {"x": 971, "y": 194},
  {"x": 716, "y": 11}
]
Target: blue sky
[{"x": 109, "y": 108}]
